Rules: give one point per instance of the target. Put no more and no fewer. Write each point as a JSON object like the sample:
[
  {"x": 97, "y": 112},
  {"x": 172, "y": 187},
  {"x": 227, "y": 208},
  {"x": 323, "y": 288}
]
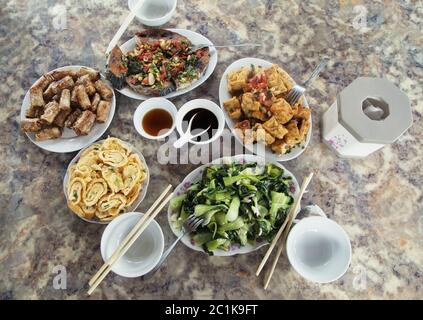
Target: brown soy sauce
[
  {"x": 202, "y": 121},
  {"x": 156, "y": 120}
]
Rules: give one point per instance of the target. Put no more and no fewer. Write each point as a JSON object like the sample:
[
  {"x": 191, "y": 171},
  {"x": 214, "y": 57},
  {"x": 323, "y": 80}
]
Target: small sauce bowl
[
  {"x": 204, "y": 104},
  {"x": 150, "y": 12},
  {"x": 143, "y": 255},
  {"x": 151, "y": 104}
]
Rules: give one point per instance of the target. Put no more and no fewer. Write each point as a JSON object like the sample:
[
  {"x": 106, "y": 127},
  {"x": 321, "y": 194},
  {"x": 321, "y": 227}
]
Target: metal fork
[
  {"x": 298, "y": 90},
  {"x": 190, "y": 225}
]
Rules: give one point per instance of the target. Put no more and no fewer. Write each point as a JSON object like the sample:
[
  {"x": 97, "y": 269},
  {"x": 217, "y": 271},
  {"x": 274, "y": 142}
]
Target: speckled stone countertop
[{"x": 378, "y": 200}]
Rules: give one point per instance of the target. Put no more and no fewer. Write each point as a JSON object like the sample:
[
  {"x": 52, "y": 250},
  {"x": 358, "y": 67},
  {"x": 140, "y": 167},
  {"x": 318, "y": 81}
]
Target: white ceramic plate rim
[
  {"x": 108, "y": 232},
  {"x": 136, "y": 203},
  {"x": 195, "y": 38},
  {"x": 195, "y": 175},
  {"x": 294, "y": 231},
  {"x": 65, "y": 145},
  {"x": 224, "y": 95}
]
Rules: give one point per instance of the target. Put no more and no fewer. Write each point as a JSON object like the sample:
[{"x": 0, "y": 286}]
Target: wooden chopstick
[
  {"x": 130, "y": 235},
  {"x": 294, "y": 208},
  {"x": 290, "y": 219},
  {"x": 124, "y": 26},
  {"x": 129, "y": 239},
  {"x": 129, "y": 244}
]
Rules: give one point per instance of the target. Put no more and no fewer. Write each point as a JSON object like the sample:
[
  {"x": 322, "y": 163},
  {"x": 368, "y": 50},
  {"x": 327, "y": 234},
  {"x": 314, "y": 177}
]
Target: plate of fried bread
[
  {"x": 67, "y": 109},
  {"x": 252, "y": 92}
]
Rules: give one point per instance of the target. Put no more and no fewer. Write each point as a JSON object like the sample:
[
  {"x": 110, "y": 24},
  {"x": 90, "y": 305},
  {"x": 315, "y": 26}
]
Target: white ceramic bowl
[
  {"x": 154, "y": 103},
  {"x": 136, "y": 203},
  {"x": 319, "y": 249},
  {"x": 69, "y": 141},
  {"x": 143, "y": 255},
  {"x": 195, "y": 39},
  {"x": 206, "y": 104},
  {"x": 196, "y": 175},
  {"x": 169, "y": 7},
  {"x": 225, "y": 95}
]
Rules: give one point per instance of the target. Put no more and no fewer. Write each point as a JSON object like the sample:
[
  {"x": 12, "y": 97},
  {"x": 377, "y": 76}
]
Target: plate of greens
[{"x": 242, "y": 199}]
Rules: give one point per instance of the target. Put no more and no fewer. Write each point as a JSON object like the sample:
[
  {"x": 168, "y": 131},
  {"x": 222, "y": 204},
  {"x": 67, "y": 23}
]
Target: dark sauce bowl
[{"x": 204, "y": 106}]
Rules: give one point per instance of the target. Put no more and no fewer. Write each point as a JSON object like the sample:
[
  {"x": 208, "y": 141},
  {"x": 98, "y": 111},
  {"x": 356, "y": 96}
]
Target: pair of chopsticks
[
  {"x": 124, "y": 26},
  {"x": 132, "y": 236},
  {"x": 283, "y": 231}
]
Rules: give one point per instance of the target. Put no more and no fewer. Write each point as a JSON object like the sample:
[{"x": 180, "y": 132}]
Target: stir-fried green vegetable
[{"x": 240, "y": 203}]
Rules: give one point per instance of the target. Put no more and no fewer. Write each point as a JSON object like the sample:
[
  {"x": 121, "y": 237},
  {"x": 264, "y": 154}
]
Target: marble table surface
[{"x": 378, "y": 200}]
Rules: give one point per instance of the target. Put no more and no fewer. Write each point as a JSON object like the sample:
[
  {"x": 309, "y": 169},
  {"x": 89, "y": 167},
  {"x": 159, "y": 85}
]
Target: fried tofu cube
[
  {"x": 275, "y": 128},
  {"x": 279, "y": 147},
  {"x": 244, "y": 131},
  {"x": 261, "y": 114},
  {"x": 51, "y": 111},
  {"x": 249, "y": 104},
  {"x": 233, "y": 107},
  {"x": 303, "y": 115},
  {"x": 292, "y": 137},
  {"x": 278, "y": 80},
  {"x": 31, "y": 125},
  {"x": 260, "y": 134},
  {"x": 237, "y": 78},
  {"x": 48, "y": 133},
  {"x": 282, "y": 111}
]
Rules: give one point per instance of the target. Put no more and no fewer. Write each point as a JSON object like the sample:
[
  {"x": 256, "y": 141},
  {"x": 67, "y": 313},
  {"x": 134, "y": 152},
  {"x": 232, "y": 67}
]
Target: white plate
[
  {"x": 195, "y": 38},
  {"x": 69, "y": 141},
  {"x": 225, "y": 95},
  {"x": 136, "y": 203},
  {"x": 196, "y": 176}
]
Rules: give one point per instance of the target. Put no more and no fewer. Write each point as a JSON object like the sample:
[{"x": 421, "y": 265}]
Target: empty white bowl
[
  {"x": 319, "y": 249},
  {"x": 154, "y": 103},
  {"x": 154, "y": 13},
  {"x": 143, "y": 255}
]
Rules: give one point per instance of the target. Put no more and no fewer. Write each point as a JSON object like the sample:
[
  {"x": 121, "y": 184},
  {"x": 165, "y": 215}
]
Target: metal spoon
[{"x": 187, "y": 136}]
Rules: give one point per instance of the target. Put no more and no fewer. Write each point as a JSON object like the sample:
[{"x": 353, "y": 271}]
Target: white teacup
[
  {"x": 318, "y": 248},
  {"x": 154, "y": 13}
]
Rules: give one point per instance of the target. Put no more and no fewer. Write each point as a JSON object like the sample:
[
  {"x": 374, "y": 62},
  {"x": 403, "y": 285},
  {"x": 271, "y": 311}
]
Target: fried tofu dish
[
  {"x": 262, "y": 114},
  {"x": 73, "y": 99}
]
